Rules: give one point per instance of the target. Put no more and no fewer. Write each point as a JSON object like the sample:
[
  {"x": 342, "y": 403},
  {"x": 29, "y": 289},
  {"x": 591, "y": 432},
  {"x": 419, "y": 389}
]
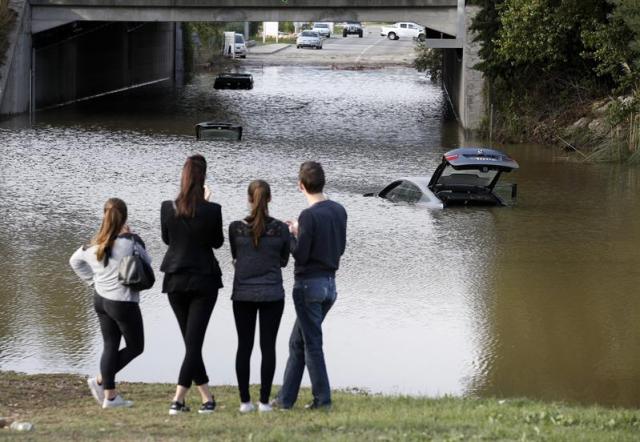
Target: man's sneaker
[
  {"x": 276, "y": 404},
  {"x": 313, "y": 405},
  {"x": 178, "y": 408},
  {"x": 247, "y": 407},
  {"x": 208, "y": 407},
  {"x": 116, "y": 402},
  {"x": 264, "y": 408},
  {"x": 96, "y": 390}
]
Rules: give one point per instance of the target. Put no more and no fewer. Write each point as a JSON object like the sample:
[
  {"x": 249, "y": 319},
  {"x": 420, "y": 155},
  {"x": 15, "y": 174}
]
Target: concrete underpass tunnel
[{"x": 86, "y": 59}]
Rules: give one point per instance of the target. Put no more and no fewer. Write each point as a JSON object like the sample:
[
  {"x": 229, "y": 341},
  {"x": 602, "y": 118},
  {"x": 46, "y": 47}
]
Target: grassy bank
[{"x": 61, "y": 408}]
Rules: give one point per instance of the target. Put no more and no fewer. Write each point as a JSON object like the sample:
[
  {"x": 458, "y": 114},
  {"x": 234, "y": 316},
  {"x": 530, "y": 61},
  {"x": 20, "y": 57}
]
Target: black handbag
[{"x": 134, "y": 272}]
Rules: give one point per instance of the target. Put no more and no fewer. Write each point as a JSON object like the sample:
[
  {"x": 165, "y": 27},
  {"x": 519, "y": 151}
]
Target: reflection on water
[{"x": 536, "y": 300}]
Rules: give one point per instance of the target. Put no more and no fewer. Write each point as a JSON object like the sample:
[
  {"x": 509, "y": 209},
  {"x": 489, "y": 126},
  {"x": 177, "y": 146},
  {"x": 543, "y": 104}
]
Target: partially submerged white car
[{"x": 465, "y": 177}]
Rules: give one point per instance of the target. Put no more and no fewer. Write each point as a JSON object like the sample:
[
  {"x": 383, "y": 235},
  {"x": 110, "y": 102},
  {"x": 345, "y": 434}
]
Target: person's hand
[
  {"x": 207, "y": 192},
  {"x": 293, "y": 227}
]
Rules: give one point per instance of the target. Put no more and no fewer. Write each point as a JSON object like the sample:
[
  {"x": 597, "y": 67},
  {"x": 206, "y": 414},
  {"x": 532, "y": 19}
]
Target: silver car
[
  {"x": 309, "y": 39},
  {"x": 241, "y": 47},
  {"x": 465, "y": 177}
]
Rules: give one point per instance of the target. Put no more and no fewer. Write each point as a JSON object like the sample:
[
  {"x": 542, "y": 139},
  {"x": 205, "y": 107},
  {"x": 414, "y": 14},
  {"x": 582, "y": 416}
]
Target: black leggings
[
  {"x": 118, "y": 319},
  {"x": 245, "y": 315},
  {"x": 193, "y": 310}
]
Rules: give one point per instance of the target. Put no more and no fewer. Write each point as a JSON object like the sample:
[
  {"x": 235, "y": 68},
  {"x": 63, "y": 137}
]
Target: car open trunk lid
[{"x": 469, "y": 175}]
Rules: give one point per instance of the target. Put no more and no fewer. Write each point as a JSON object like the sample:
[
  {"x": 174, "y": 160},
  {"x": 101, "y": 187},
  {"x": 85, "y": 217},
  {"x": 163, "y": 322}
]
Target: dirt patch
[{"x": 21, "y": 392}]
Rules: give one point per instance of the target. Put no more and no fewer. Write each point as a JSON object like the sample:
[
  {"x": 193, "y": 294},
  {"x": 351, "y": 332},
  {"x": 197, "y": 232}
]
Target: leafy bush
[{"x": 429, "y": 60}]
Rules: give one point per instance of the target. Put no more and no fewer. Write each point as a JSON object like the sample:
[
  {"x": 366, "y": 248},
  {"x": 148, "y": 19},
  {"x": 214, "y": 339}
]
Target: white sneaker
[
  {"x": 264, "y": 408},
  {"x": 96, "y": 390},
  {"x": 247, "y": 407},
  {"x": 116, "y": 402}
]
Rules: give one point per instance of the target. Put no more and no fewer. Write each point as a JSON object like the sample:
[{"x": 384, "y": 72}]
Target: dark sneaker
[
  {"x": 207, "y": 407},
  {"x": 313, "y": 405},
  {"x": 178, "y": 408}
]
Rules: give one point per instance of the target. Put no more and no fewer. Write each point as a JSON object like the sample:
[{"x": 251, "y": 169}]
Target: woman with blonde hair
[
  {"x": 116, "y": 305},
  {"x": 260, "y": 248}
]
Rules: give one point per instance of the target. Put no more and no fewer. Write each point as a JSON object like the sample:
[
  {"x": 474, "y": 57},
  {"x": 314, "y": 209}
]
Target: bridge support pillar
[
  {"x": 464, "y": 84},
  {"x": 15, "y": 74}
]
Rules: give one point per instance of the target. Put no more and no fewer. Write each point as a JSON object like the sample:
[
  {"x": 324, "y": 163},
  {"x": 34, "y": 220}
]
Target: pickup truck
[
  {"x": 404, "y": 30},
  {"x": 352, "y": 27}
]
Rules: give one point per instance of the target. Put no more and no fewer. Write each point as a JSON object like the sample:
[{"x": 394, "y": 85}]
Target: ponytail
[
  {"x": 115, "y": 217},
  {"x": 259, "y": 197}
]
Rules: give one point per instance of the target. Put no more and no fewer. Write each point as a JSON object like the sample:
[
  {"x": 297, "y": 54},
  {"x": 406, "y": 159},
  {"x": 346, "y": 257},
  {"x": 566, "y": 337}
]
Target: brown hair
[
  {"x": 259, "y": 197},
  {"x": 191, "y": 186},
  {"x": 115, "y": 217},
  {"x": 311, "y": 176}
]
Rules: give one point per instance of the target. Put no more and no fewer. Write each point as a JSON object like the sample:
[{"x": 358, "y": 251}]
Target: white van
[
  {"x": 241, "y": 47},
  {"x": 324, "y": 29}
]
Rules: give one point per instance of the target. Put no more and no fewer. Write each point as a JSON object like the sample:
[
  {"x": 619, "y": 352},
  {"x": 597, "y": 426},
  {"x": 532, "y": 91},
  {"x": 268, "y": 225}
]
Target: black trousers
[
  {"x": 193, "y": 310},
  {"x": 118, "y": 319},
  {"x": 245, "y": 314}
]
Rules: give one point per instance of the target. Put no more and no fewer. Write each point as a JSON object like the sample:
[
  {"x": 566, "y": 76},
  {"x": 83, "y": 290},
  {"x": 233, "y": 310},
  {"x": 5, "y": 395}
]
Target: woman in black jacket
[
  {"x": 192, "y": 227},
  {"x": 260, "y": 248}
]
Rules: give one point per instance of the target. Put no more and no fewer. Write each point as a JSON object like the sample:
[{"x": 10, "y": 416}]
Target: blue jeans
[{"x": 313, "y": 298}]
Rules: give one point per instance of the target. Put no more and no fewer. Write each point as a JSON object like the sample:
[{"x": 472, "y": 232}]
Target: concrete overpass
[
  {"x": 441, "y": 15},
  {"x": 52, "y": 58}
]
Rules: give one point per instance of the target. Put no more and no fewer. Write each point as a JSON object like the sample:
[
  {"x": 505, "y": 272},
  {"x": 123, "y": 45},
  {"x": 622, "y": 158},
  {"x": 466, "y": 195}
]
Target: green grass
[{"x": 61, "y": 408}]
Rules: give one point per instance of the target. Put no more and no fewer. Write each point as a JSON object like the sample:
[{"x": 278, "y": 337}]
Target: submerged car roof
[{"x": 473, "y": 157}]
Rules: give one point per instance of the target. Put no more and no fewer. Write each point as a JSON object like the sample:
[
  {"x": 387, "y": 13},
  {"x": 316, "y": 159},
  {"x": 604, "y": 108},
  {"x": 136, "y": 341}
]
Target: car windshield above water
[
  {"x": 321, "y": 25},
  {"x": 239, "y": 38}
]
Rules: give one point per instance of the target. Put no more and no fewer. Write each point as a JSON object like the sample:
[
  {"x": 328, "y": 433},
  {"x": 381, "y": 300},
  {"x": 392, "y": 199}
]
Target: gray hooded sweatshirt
[{"x": 104, "y": 279}]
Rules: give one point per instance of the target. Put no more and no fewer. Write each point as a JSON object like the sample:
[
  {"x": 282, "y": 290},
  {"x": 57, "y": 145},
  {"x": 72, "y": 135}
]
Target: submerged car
[
  {"x": 309, "y": 39},
  {"x": 466, "y": 176}
]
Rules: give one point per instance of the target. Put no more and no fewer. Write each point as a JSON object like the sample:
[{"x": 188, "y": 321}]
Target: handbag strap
[{"x": 135, "y": 245}]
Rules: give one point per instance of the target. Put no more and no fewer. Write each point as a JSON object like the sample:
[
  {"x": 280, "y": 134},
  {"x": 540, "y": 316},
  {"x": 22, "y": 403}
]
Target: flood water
[{"x": 537, "y": 300}]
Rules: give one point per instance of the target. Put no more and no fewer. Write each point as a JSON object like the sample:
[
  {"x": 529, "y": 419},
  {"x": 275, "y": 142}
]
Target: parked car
[
  {"x": 404, "y": 30},
  {"x": 309, "y": 39},
  {"x": 352, "y": 27},
  {"x": 466, "y": 176},
  {"x": 323, "y": 29},
  {"x": 241, "y": 47}
]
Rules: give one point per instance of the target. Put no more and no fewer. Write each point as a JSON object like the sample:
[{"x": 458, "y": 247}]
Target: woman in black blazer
[{"x": 192, "y": 227}]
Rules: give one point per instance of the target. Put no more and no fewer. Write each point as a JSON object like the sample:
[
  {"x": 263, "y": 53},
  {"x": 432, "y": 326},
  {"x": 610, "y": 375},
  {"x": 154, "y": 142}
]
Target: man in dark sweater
[{"x": 319, "y": 241}]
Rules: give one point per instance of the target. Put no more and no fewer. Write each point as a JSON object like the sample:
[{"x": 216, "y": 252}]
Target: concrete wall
[
  {"x": 15, "y": 74},
  {"x": 107, "y": 57},
  {"x": 463, "y": 83}
]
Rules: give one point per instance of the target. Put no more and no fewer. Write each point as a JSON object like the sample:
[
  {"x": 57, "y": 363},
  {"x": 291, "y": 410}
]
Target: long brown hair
[
  {"x": 115, "y": 217},
  {"x": 191, "y": 186},
  {"x": 259, "y": 197}
]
